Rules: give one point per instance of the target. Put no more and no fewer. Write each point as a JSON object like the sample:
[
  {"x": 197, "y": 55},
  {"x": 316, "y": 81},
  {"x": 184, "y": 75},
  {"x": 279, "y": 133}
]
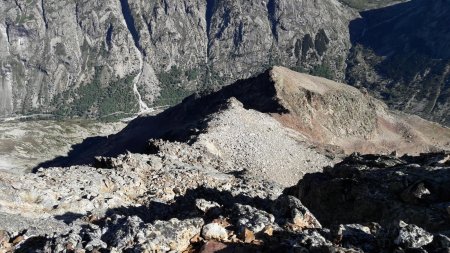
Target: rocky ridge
[
  {"x": 311, "y": 110},
  {"x": 223, "y": 173}
]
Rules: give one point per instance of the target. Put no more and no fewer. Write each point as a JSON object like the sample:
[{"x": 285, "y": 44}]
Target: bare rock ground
[
  {"x": 259, "y": 145},
  {"x": 25, "y": 144}
]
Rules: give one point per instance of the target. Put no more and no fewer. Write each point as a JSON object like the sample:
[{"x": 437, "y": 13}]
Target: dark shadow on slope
[
  {"x": 179, "y": 123},
  {"x": 184, "y": 207},
  {"x": 69, "y": 217},
  {"x": 129, "y": 20},
  {"x": 406, "y": 48},
  {"x": 33, "y": 244},
  {"x": 210, "y": 9},
  {"x": 116, "y": 220},
  {"x": 272, "y": 16},
  {"x": 413, "y": 37},
  {"x": 418, "y": 26}
]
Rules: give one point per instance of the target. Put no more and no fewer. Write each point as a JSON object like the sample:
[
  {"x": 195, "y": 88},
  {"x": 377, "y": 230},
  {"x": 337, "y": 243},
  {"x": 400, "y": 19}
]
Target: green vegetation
[
  {"x": 172, "y": 77},
  {"x": 323, "y": 70},
  {"x": 300, "y": 69},
  {"x": 93, "y": 100},
  {"x": 171, "y": 90},
  {"x": 22, "y": 19},
  {"x": 192, "y": 74}
]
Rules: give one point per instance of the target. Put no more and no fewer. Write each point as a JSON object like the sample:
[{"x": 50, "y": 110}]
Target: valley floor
[{"x": 24, "y": 144}]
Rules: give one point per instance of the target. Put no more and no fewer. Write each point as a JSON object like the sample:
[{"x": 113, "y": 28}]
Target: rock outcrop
[
  {"x": 176, "y": 201},
  {"x": 382, "y": 189}
]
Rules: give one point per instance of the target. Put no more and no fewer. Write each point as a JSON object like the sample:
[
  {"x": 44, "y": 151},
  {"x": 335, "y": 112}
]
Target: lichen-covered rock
[
  {"x": 214, "y": 231},
  {"x": 207, "y": 206},
  {"x": 411, "y": 236},
  {"x": 252, "y": 218},
  {"x": 171, "y": 235}
]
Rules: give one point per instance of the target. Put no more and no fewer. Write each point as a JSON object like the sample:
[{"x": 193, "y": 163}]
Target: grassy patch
[{"x": 323, "y": 70}]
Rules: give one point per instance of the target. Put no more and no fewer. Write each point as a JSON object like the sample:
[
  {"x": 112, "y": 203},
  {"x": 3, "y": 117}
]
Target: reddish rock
[{"x": 213, "y": 246}]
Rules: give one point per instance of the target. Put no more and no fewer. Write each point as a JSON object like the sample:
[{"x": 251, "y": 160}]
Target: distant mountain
[{"x": 97, "y": 58}]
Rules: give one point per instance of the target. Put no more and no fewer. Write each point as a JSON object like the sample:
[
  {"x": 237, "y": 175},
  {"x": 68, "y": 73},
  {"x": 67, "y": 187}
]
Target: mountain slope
[
  {"x": 370, "y": 4},
  {"x": 83, "y": 59},
  {"x": 401, "y": 55},
  {"x": 93, "y": 59}
]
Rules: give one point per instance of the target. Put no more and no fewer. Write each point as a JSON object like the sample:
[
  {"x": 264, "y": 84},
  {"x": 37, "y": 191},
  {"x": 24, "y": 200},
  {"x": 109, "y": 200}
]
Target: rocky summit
[
  {"x": 203, "y": 126},
  {"x": 280, "y": 162}
]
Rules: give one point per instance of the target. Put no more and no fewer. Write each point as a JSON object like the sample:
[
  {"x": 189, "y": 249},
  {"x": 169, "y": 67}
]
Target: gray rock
[
  {"x": 412, "y": 236},
  {"x": 214, "y": 231},
  {"x": 252, "y": 218},
  {"x": 374, "y": 187},
  {"x": 170, "y": 235},
  {"x": 206, "y": 206}
]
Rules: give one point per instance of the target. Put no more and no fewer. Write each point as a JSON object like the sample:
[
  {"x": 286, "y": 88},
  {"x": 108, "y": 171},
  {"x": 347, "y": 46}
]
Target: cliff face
[
  {"x": 68, "y": 57},
  {"x": 51, "y": 48}
]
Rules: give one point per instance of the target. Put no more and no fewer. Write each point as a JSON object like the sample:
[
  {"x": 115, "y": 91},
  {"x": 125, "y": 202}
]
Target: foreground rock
[
  {"x": 367, "y": 188},
  {"x": 177, "y": 203}
]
